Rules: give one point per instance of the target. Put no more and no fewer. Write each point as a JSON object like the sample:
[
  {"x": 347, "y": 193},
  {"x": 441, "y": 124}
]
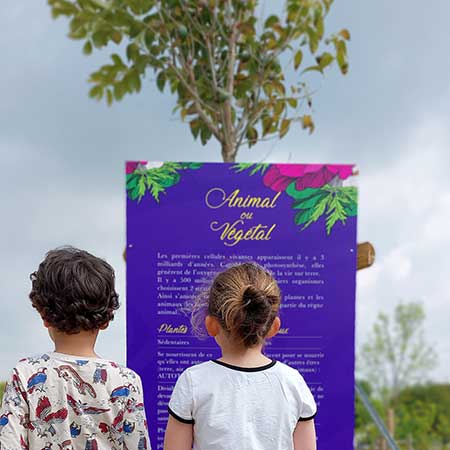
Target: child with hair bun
[{"x": 243, "y": 400}]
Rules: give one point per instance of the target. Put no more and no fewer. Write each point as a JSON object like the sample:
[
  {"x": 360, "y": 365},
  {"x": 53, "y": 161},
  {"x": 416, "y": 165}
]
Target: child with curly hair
[
  {"x": 71, "y": 398},
  {"x": 242, "y": 400}
]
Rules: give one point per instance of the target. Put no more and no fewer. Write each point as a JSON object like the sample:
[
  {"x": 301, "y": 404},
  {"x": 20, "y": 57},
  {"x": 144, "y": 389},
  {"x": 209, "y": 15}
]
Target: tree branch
[
  {"x": 229, "y": 132},
  {"x": 191, "y": 83},
  {"x": 197, "y": 102}
]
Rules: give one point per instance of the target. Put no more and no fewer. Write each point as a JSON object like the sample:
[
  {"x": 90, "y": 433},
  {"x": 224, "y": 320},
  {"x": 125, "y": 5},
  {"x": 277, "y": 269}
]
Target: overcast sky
[{"x": 62, "y": 157}]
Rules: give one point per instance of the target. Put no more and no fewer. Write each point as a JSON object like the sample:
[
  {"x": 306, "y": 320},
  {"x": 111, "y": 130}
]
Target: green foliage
[
  {"x": 425, "y": 413},
  {"x": 415, "y": 421},
  {"x": 396, "y": 354},
  {"x": 226, "y": 76},
  {"x": 337, "y": 203},
  {"x": 422, "y": 418}
]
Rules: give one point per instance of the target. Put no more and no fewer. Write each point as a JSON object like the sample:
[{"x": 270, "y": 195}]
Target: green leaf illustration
[
  {"x": 255, "y": 168},
  {"x": 335, "y": 212},
  {"x": 336, "y": 203},
  {"x": 156, "y": 180},
  {"x": 169, "y": 167},
  {"x": 351, "y": 193},
  {"x": 193, "y": 166},
  {"x": 311, "y": 201},
  {"x": 132, "y": 180},
  {"x": 240, "y": 167},
  {"x": 167, "y": 179},
  {"x": 292, "y": 191},
  {"x": 154, "y": 186},
  {"x": 133, "y": 193},
  {"x": 138, "y": 191},
  {"x": 304, "y": 216},
  {"x": 351, "y": 210},
  {"x": 318, "y": 210}
]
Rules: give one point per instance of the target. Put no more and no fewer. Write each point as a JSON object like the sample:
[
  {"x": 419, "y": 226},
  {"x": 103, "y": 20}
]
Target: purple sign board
[{"x": 188, "y": 221}]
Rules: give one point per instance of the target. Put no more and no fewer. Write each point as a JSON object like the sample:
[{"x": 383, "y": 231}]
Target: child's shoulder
[
  {"x": 287, "y": 371},
  {"x": 32, "y": 363},
  {"x": 125, "y": 371},
  {"x": 199, "y": 370}
]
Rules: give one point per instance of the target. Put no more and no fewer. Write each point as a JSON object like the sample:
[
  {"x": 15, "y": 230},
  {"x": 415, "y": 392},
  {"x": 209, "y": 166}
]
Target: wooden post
[
  {"x": 390, "y": 426},
  {"x": 365, "y": 255}
]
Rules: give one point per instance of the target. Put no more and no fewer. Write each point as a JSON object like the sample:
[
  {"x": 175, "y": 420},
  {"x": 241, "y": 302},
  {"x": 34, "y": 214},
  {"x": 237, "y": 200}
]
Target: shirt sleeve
[
  {"x": 307, "y": 408},
  {"x": 14, "y": 413},
  {"x": 135, "y": 430},
  {"x": 181, "y": 401}
]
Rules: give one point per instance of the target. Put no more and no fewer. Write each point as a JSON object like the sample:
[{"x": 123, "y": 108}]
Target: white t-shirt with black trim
[{"x": 242, "y": 408}]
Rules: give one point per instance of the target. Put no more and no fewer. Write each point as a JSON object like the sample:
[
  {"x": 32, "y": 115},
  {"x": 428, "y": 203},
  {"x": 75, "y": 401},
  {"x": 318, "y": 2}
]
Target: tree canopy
[
  {"x": 396, "y": 353},
  {"x": 226, "y": 66}
]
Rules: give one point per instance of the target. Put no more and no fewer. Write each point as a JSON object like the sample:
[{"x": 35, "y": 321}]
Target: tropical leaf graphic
[
  {"x": 251, "y": 167},
  {"x": 155, "y": 180},
  {"x": 337, "y": 203}
]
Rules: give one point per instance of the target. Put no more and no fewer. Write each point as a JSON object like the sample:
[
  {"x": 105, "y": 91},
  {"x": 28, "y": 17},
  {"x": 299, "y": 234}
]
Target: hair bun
[
  {"x": 255, "y": 302},
  {"x": 245, "y": 299}
]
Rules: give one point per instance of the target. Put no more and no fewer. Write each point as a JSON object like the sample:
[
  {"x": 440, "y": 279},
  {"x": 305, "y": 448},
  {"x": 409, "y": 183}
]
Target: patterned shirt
[{"x": 62, "y": 402}]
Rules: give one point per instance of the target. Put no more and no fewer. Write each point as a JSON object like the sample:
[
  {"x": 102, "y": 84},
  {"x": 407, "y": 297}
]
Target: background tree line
[{"x": 393, "y": 365}]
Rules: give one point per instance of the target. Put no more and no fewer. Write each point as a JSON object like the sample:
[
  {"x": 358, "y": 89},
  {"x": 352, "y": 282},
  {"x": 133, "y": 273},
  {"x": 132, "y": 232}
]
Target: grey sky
[{"x": 62, "y": 158}]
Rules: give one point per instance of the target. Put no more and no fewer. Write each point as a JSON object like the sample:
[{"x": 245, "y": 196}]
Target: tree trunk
[
  {"x": 391, "y": 422},
  {"x": 228, "y": 153},
  {"x": 410, "y": 442}
]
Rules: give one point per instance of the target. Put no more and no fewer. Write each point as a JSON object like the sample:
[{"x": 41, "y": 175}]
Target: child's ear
[
  {"x": 105, "y": 326},
  {"x": 275, "y": 328},
  {"x": 46, "y": 324},
  {"x": 212, "y": 326}
]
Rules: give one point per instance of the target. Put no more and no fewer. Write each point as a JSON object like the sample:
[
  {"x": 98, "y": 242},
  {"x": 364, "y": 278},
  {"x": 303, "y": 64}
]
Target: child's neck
[
  {"x": 244, "y": 356},
  {"x": 80, "y": 344}
]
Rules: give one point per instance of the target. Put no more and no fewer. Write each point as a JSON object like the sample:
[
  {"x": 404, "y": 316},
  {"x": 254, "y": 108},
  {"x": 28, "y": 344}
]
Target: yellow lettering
[
  {"x": 216, "y": 198},
  {"x": 232, "y": 233},
  {"x": 209, "y": 201},
  {"x": 167, "y": 328}
]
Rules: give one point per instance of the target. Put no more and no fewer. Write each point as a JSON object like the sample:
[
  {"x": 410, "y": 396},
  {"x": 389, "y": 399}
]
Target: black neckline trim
[{"x": 245, "y": 369}]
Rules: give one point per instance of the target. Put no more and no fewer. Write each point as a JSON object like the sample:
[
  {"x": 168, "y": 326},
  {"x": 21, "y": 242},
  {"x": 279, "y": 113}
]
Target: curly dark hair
[{"x": 74, "y": 290}]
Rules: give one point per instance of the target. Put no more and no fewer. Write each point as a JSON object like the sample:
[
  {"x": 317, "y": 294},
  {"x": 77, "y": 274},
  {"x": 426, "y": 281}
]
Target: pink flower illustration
[
  {"x": 131, "y": 166},
  {"x": 279, "y": 176}
]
